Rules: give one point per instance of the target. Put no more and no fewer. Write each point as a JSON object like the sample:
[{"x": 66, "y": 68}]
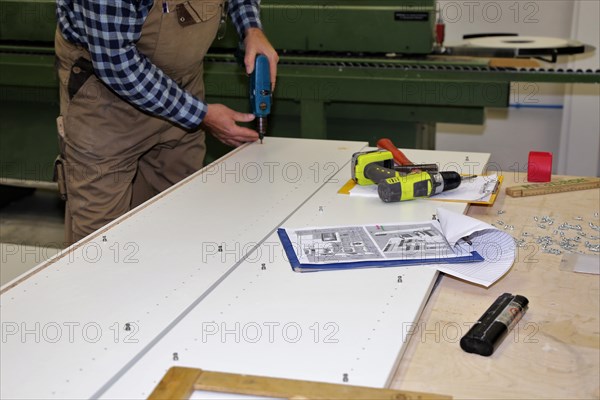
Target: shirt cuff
[
  {"x": 200, "y": 118},
  {"x": 245, "y": 15},
  {"x": 253, "y": 23}
]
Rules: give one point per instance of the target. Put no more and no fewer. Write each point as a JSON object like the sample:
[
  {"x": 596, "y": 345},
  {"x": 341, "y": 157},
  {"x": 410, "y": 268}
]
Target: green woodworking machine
[{"x": 349, "y": 69}]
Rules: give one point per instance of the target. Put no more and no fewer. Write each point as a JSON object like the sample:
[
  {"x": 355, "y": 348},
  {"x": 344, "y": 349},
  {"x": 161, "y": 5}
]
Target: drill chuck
[
  {"x": 261, "y": 127},
  {"x": 451, "y": 179}
]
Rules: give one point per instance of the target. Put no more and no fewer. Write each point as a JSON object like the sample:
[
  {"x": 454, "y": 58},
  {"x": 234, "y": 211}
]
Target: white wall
[
  {"x": 580, "y": 134},
  {"x": 509, "y": 134}
]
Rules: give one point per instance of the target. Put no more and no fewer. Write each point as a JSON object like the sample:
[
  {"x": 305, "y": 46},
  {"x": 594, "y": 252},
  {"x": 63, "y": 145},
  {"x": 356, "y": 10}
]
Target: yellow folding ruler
[{"x": 558, "y": 186}]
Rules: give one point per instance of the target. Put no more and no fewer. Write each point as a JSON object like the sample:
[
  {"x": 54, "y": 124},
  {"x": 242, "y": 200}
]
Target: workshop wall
[
  {"x": 580, "y": 138},
  {"x": 534, "y": 120}
]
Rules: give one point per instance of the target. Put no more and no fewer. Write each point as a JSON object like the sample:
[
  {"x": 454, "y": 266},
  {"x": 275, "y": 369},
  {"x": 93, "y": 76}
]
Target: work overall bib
[{"x": 113, "y": 155}]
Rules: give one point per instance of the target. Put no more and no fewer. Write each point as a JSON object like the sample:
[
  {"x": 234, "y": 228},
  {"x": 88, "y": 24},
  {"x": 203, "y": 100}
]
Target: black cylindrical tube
[{"x": 484, "y": 337}]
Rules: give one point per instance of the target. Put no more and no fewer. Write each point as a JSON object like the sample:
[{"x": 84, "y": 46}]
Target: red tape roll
[{"x": 539, "y": 166}]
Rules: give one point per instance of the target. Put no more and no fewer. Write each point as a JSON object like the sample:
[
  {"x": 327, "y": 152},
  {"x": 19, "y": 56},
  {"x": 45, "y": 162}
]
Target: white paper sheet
[
  {"x": 377, "y": 242},
  {"x": 497, "y": 248}
]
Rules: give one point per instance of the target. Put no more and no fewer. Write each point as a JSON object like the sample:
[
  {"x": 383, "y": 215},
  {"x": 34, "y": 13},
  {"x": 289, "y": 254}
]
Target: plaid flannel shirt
[{"x": 109, "y": 29}]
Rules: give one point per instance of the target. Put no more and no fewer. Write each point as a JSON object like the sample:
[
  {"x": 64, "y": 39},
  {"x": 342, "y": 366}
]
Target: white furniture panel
[{"x": 159, "y": 269}]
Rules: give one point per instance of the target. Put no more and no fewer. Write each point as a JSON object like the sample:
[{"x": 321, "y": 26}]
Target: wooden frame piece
[{"x": 179, "y": 383}]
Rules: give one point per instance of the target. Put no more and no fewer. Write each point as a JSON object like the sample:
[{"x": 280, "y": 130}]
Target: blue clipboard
[{"x": 299, "y": 267}]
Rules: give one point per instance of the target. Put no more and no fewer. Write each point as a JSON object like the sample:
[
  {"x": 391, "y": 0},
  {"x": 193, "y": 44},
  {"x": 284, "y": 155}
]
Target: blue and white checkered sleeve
[
  {"x": 112, "y": 29},
  {"x": 245, "y": 14}
]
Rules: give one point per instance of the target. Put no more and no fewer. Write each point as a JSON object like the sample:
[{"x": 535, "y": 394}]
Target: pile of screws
[
  {"x": 565, "y": 238},
  {"x": 506, "y": 226}
]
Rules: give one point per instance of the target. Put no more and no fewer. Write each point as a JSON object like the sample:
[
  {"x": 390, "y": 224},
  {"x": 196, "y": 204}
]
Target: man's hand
[
  {"x": 255, "y": 43},
  {"x": 221, "y": 122}
]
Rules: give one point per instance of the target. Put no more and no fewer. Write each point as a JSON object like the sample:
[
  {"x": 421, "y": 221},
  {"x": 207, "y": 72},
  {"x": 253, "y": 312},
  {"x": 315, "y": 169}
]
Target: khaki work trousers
[{"x": 113, "y": 155}]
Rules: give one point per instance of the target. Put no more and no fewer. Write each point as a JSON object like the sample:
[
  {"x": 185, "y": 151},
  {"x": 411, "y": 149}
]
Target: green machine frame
[{"x": 336, "y": 78}]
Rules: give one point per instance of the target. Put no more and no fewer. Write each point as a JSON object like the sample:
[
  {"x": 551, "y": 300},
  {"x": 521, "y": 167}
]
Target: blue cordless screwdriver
[{"x": 260, "y": 94}]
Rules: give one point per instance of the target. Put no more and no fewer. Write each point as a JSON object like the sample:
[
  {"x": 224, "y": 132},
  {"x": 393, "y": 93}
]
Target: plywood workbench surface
[{"x": 554, "y": 352}]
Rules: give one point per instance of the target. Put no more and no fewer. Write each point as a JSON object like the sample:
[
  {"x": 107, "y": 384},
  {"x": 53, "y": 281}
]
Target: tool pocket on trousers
[
  {"x": 81, "y": 71},
  {"x": 193, "y": 12},
  {"x": 60, "y": 176}
]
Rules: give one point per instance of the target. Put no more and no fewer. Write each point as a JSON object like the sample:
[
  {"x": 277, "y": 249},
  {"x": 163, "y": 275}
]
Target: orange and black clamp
[
  {"x": 399, "y": 157},
  {"x": 404, "y": 164}
]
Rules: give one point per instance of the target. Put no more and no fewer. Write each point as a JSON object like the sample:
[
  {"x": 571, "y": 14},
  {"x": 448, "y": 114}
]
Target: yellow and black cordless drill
[{"x": 421, "y": 180}]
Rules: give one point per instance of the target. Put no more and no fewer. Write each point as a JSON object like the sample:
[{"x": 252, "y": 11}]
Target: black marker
[{"x": 485, "y": 336}]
